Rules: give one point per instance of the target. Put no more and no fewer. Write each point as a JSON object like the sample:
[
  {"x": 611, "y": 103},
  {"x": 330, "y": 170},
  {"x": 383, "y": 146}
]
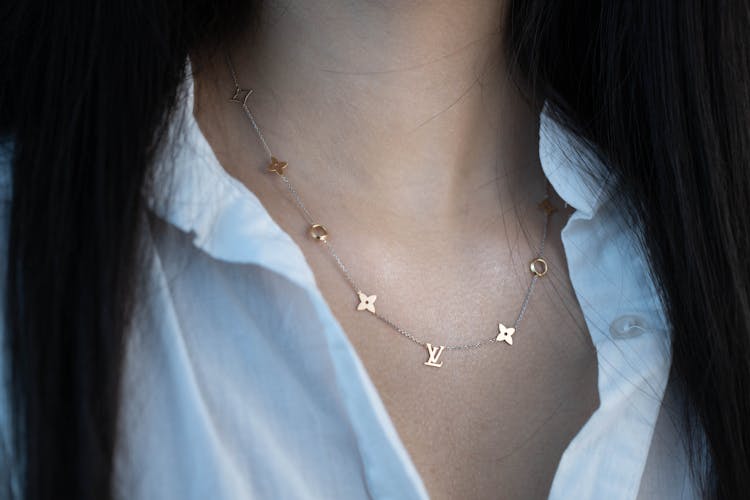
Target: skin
[{"x": 405, "y": 137}]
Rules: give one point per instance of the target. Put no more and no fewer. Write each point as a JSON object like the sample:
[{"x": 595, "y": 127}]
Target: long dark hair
[{"x": 659, "y": 89}]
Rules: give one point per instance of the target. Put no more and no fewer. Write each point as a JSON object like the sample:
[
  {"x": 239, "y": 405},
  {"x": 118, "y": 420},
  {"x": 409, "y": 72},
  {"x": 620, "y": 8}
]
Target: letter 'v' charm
[{"x": 434, "y": 352}]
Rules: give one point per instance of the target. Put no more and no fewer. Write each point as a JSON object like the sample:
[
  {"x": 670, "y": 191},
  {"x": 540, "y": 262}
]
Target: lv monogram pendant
[
  {"x": 434, "y": 352},
  {"x": 240, "y": 95}
]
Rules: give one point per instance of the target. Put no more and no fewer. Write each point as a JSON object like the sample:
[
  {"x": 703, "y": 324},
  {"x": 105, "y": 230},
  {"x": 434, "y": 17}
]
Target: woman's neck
[{"x": 403, "y": 106}]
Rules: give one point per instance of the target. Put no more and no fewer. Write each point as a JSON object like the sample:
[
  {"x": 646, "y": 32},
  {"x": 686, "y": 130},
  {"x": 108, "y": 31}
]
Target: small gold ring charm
[
  {"x": 319, "y": 232},
  {"x": 538, "y": 266}
]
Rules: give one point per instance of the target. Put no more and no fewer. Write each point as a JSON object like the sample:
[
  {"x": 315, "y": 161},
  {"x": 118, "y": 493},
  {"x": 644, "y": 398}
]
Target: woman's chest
[
  {"x": 489, "y": 423},
  {"x": 485, "y": 422}
]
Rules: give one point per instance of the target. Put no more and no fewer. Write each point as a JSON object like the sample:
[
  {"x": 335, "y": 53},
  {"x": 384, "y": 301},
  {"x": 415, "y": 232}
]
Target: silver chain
[{"x": 345, "y": 271}]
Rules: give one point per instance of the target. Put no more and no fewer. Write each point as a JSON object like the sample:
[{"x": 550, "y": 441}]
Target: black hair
[
  {"x": 659, "y": 89},
  {"x": 85, "y": 92}
]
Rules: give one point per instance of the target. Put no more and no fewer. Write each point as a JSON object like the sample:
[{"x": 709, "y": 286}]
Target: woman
[{"x": 361, "y": 249}]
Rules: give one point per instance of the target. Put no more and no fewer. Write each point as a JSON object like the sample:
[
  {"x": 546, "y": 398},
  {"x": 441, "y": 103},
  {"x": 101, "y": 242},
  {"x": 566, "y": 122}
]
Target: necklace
[{"x": 537, "y": 266}]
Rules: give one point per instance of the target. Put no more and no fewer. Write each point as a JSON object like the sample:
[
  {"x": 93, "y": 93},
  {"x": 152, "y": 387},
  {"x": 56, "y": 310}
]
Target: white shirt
[{"x": 241, "y": 384}]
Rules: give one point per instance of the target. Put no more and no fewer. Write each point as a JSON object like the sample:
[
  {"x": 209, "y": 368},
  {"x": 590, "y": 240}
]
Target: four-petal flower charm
[
  {"x": 366, "y": 302},
  {"x": 506, "y": 334},
  {"x": 547, "y": 206},
  {"x": 277, "y": 166}
]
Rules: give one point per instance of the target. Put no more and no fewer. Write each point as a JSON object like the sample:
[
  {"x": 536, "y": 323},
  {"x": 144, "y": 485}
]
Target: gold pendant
[
  {"x": 240, "y": 95},
  {"x": 506, "y": 334},
  {"x": 277, "y": 166},
  {"x": 538, "y": 266},
  {"x": 319, "y": 232},
  {"x": 366, "y": 302},
  {"x": 547, "y": 206},
  {"x": 434, "y": 352}
]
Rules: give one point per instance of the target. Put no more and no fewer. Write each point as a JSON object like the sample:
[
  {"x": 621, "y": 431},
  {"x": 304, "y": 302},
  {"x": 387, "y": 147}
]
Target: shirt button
[{"x": 628, "y": 326}]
